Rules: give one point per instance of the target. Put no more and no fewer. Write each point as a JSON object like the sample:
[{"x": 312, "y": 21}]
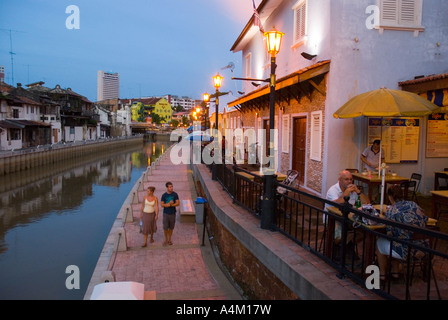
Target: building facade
[
  {"x": 108, "y": 85},
  {"x": 331, "y": 52}
]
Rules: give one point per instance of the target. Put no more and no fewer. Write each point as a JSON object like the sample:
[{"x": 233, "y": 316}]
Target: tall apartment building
[
  {"x": 2, "y": 74},
  {"x": 108, "y": 85}
]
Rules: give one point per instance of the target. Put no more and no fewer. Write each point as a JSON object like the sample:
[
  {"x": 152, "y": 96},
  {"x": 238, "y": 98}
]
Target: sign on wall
[
  {"x": 399, "y": 136},
  {"x": 437, "y": 136}
]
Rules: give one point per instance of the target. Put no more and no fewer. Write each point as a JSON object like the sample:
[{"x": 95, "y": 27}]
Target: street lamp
[
  {"x": 217, "y": 82},
  {"x": 206, "y": 99},
  {"x": 273, "y": 42}
]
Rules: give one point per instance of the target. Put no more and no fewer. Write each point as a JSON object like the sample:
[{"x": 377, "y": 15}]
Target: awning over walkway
[
  {"x": 292, "y": 86},
  {"x": 5, "y": 124},
  {"x": 20, "y": 124}
]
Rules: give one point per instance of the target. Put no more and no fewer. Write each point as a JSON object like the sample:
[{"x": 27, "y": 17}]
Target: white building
[
  {"x": 331, "y": 52},
  {"x": 186, "y": 102},
  {"x": 108, "y": 85}
]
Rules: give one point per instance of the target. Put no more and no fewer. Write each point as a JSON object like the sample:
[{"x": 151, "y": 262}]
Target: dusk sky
[{"x": 157, "y": 47}]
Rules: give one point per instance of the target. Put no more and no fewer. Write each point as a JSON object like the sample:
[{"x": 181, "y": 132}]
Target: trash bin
[{"x": 199, "y": 207}]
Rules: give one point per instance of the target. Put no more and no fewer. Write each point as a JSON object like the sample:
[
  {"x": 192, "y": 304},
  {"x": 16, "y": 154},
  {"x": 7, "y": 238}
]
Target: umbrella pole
[{"x": 383, "y": 169}]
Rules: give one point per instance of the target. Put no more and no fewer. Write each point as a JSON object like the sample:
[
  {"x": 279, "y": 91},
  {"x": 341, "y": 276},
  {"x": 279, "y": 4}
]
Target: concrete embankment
[{"x": 21, "y": 160}]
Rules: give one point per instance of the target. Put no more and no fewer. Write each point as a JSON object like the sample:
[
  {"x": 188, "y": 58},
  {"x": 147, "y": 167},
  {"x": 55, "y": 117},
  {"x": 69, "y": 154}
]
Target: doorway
[{"x": 299, "y": 147}]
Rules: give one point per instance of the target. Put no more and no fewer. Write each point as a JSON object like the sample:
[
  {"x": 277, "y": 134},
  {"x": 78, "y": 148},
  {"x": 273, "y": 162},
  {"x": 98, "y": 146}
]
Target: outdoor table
[
  {"x": 370, "y": 237},
  {"x": 280, "y": 176},
  {"x": 374, "y": 180},
  {"x": 439, "y": 198},
  {"x": 437, "y": 175}
]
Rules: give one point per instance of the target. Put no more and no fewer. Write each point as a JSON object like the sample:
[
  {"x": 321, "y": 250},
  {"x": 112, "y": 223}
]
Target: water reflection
[{"x": 60, "y": 215}]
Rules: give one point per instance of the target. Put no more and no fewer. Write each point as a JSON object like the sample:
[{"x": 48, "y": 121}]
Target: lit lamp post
[
  {"x": 273, "y": 42},
  {"x": 206, "y": 99},
  {"x": 217, "y": 82}
]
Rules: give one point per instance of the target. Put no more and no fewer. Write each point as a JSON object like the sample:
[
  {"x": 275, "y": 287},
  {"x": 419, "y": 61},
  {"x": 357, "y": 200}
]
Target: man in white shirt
[
  {"x": 344, "y": 188},
  {"x": 371, "y": 156}
]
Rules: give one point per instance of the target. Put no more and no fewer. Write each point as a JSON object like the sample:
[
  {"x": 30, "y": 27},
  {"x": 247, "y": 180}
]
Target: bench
[{"x": 187, "y": 211}]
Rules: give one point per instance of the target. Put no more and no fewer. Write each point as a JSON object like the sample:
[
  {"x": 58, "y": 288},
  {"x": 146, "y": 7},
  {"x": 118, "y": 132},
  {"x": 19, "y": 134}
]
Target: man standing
[
  {"x": 169, "y": 200},
  {"x": 371, "y": 156}
]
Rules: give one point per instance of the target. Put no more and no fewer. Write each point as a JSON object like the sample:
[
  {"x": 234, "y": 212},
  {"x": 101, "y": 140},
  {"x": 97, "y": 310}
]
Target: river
[{"x": 60, "y": 215}]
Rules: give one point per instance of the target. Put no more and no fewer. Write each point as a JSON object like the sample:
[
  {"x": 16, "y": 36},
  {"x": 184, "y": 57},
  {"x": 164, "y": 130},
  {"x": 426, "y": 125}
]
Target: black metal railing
[{"x": 312, "y": 222}]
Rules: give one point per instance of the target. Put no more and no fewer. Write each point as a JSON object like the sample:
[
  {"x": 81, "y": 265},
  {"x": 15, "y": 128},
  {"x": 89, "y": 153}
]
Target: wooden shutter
[
  {"x": 316, "y": 136},
  {"x": 299, "y": 21},
  {"x": 401, "y": 13}
]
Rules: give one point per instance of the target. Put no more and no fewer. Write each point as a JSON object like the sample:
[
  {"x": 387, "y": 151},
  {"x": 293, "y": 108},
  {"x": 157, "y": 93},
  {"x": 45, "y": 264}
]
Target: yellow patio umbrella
[{"x": 386, "y": 103}]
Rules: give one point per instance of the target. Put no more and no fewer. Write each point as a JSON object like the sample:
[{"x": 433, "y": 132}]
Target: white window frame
[
  {"x": 393, "y": 17},
  {"x": 300, "y": 39}
]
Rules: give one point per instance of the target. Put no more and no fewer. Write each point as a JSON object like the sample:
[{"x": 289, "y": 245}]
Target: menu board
[
  {"x": 437, "y": 136},
  {"x": 399, "y": 138}
]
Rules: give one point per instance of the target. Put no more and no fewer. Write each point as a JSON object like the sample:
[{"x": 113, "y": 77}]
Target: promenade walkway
[{"x": 182, "y": 271}]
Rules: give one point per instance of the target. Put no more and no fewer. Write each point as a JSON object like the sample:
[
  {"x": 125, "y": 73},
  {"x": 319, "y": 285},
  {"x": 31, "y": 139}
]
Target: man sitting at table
[
  {"x": 344, "y": 188},
  {"x": 402, "y": 211}
]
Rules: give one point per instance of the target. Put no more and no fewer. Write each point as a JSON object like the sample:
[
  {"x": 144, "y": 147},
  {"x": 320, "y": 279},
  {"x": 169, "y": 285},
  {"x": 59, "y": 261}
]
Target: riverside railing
[{"x": 312, "y": 222}]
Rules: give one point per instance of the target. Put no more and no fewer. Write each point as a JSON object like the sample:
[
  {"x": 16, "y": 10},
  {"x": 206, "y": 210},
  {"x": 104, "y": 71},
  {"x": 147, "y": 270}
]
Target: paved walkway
[{"x": 184, "y": 270}]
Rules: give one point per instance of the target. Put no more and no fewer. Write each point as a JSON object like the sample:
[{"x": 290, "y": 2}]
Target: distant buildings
[
  {"x": 2, "y": 74},
  {"x": 185, "y": 102},
  {"x": 108, "y": 85}
]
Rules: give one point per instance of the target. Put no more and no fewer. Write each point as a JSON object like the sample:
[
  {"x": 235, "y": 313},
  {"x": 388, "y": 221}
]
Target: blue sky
[{"x": 157, "y": 47}]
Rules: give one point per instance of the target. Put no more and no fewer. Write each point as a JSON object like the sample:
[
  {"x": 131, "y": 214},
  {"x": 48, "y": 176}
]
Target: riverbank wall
[{"x": 24, "y": 159}]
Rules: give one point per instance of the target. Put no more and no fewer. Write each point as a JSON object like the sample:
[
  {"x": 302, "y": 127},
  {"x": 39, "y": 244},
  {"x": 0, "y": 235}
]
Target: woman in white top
[{"x": 149, "y": 214}]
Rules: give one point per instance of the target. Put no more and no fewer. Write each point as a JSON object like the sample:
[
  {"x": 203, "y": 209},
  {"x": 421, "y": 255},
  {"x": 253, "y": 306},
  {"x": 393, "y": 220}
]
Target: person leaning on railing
[{"x": 402, "y": 211}]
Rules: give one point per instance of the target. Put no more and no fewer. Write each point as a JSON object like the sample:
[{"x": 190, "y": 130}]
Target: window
[
  {"x": 299, "y": 22},
  {"x": 16, "y": 134},
  {"x": 15, "y": 113},
  {"x": 401, "y": 15}
]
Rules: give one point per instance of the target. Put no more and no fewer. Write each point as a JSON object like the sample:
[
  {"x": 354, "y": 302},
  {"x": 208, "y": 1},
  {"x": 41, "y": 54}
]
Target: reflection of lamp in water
[
  {"x": 153, "y": 148},
  {"x": 162, "y": 148}
]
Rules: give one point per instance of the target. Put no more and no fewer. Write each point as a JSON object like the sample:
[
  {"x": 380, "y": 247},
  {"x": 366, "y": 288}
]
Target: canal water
[{"x": 58, "y": 216}]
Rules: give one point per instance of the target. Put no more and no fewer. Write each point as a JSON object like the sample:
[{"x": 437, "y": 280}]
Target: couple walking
[{"x": 150, "y": 213}]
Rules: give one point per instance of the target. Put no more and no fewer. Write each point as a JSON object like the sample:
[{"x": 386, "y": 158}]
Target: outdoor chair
[
  {"x": 291, "y": 176},
  {"x": 417, "y": 178},
  {"x": 423, "y": 260},
  {"x": 444, "y": 184}
]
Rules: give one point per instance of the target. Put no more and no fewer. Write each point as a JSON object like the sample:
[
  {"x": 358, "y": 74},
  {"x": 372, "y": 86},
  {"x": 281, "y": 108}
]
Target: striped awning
[{"x": 438, "y": 97}]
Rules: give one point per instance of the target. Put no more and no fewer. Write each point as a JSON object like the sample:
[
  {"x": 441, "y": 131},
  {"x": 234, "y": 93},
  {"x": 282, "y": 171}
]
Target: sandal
[{"x": 395, "y": 275}]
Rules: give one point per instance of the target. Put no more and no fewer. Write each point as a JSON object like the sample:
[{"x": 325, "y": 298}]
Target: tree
[{"x": 155, "y": 118}]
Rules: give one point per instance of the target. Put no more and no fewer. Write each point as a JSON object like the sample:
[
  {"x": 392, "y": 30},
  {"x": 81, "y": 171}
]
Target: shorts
[
  {"x": 169, "y": 220},
  {"x": 384, "y": 248}
]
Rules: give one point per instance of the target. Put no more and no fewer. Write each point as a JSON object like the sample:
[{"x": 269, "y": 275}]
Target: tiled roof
[{"x": 424, "y": 79}]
